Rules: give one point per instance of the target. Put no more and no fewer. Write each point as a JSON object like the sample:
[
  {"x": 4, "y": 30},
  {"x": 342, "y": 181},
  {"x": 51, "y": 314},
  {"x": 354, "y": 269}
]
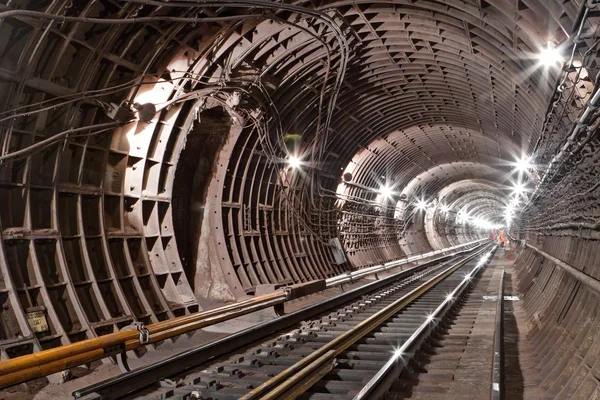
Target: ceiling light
[
  {"x": 293, "y": 161},
  {"x": 422, "y": 205},
  {"x": 519, "y": 188},
  {"x": 550, "y": 56},
  {"x": 523, "y": 164},
  {"x": 445, "y": 208},
  {"x": 386, "y": 191}
]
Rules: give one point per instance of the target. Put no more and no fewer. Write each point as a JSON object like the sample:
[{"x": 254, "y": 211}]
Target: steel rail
[
  {"x": 375, "y": 384},
  {"x": 43, "y": 363},
  {"x": 279, "y": 386},
  {"x": 351, "y": 276},
  {"x": 137, "y": 379},
  {"x": 496, "y": 388}
]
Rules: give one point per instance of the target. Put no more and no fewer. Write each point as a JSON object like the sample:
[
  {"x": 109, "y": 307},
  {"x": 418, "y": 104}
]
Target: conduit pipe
[
  {"x": 593, "y": 103},
  {"x": 587, "y": 280},
  {"x": 43, "y": 363},
  {"x": 581, "y": 124},
  {"x": 47, "y": 362}
]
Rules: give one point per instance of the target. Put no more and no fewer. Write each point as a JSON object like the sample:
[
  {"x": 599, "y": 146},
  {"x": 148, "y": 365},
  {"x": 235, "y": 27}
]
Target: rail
[
  {"x": 296, "y": 379},
  {"x": 46, "y": 362},
  {"x": 133, "y": 381},
  {"x": 396, "y": 361},
  {"x": 496, "y": 387}
]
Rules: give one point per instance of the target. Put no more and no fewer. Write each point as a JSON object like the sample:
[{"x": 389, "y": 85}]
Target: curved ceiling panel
[{"x": 144, "y": 142}]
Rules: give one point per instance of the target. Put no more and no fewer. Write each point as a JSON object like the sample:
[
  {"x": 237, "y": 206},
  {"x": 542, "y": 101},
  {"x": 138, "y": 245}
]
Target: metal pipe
[
  {"x": 43, "y": 369},
  {"x": 587, "y": 280},
  {"x": 46, "y": 362},
  {"x": 350, "y": 276}
]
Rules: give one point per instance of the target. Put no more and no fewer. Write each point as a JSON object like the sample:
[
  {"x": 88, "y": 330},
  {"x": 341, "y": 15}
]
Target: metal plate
[{"x": 37, "y": 321}]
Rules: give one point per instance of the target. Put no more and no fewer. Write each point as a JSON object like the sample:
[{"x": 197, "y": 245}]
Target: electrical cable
[
  {"x": 70, "y": 133},
  {"x": 118, "y": 21}
]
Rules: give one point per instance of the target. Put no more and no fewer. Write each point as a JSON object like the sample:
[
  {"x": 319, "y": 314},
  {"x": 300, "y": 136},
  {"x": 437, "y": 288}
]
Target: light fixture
[
  {"x": 422, "y": 205},
  {"x": 293, "y": 161},
  {"x": 386, "y": 191},
  {"x": 519, "y": 189},
  {"x": 523, "y": 164},
  {"x": 445, "y": 208},
  {"x": 550, "y": 55}
]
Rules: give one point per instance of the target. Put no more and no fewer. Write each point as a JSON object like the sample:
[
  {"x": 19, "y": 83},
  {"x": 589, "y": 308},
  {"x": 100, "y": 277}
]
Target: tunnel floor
[
  {"x": 466, "y": 359},
  {"x": 519, "y": 368},
  {"x": 457, "y": 363}
]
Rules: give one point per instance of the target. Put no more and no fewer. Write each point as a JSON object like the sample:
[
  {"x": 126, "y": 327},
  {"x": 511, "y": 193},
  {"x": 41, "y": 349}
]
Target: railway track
[
  {"x": 464, "y": 352},
  {"x": 349, "y": 347}
]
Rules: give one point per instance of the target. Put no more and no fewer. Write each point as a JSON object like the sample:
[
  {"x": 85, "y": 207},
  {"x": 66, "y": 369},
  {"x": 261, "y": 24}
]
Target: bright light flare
[
  {"x": 519, "y": 189},
  {"x": 550, "y": 56},
  {"x": 523, "y": 165},
  {"x": 445, "y": 208},
  {"x": 293, "y": 161},
  {"x": 422, "y": 205},
  {"x": 386, "y": 191}
]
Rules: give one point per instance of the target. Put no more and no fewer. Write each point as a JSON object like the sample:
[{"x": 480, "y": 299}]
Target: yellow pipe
[{"x": 31, "y": 366}]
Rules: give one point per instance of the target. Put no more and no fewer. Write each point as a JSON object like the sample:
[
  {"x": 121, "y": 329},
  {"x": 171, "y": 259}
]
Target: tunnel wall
[
  {"x": 562, "y": 314},
  {"x": 87, "y": 228}
]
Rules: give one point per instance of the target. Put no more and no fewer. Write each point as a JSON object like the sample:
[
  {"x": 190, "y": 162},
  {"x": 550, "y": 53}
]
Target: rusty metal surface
[
  {"x": 256, "y": 355},
  {"x": 110, "y": 215},
  {"x": 561, "y": 318}
]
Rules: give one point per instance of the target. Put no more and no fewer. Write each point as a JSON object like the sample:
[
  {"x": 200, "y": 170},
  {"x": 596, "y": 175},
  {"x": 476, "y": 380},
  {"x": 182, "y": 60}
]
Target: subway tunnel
[{"x": 161, "y": 158}]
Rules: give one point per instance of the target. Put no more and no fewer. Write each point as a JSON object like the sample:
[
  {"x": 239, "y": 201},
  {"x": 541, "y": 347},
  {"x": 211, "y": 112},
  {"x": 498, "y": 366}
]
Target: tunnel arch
[{"x": 94, "y": 207}]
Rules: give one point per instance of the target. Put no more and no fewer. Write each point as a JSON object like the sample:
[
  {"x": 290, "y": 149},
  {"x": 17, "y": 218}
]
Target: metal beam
[{"x": 587, "y": 280}]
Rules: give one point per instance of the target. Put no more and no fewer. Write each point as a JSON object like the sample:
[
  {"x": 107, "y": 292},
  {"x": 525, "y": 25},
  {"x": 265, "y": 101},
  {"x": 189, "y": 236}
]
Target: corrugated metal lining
[{"x": 87, "y": 222}]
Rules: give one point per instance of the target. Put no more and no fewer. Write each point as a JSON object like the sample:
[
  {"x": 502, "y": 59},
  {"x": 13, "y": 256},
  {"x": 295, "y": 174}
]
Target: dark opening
[{"x": 195, "y": 168}]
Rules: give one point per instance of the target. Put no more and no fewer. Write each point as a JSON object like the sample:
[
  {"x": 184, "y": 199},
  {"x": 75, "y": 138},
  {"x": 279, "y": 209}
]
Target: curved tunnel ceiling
[{"x": 144, "y": 143}]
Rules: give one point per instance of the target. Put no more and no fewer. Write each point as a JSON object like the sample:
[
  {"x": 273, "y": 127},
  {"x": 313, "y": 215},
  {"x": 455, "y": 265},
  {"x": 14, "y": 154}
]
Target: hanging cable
[{"x": 70, "y": 133}]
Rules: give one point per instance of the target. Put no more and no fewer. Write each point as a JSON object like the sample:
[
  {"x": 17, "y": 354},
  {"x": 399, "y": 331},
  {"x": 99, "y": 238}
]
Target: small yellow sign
[{"x": 37, "y": 321}]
